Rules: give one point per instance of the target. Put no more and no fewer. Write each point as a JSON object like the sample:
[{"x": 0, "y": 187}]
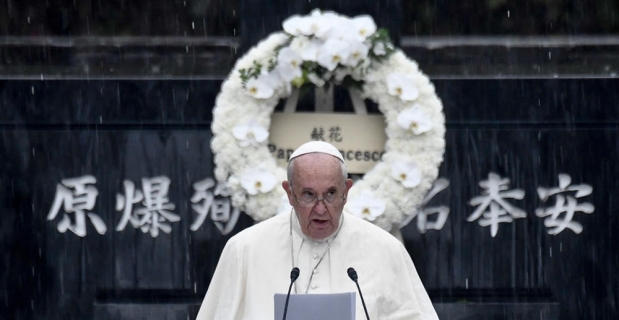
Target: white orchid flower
[
  {"x": 406, "y": 172},
  {"x": 403, "y": 86},
  {"x": 366, "y": 206},
  {"x": 289, "y": 64},
  {"x": 264, "y": 86},
  {"x": 332, "y": 53},
  {"x": 251, "y": 134},
  {"x": 258, "y": 180},
  {"x": 364, "y": 27},
  {"x": 356, "y": 29},
  {"x": 358, "y": 52},
  {"x": 379, "y": 49},
  {"x": 342, "y": 31},
  {"x": 414, "y": 119},
  {"x": 316, "y": 24},
  {"x": 322, "y": 22},
  {"x": 307, "y": 48},
  {"x": 296, "y": 25}
]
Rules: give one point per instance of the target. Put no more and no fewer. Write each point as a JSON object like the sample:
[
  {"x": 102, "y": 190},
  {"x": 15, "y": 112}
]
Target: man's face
[{"x": 317, "y": 175}]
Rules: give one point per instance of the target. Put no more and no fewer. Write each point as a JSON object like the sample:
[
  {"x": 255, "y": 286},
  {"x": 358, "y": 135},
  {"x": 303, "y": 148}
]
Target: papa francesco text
[{"x": 350, "y": 155}]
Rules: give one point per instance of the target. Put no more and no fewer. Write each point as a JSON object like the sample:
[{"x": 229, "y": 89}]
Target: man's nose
[{"x": 320, "y": 207}]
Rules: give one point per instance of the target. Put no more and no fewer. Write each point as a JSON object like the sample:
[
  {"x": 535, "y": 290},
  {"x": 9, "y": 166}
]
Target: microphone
[
  {"x": 294, "y": 274},
  {"x": 352, "y": 274}
]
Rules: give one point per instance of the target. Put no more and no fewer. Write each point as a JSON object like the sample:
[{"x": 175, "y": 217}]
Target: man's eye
[
  {"x": 330, "y": 196},
  {"x": 307, "y": 194}
]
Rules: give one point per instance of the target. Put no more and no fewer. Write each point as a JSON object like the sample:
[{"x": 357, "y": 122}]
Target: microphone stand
[
  {"x": 294, "y": 274},
  {"x": 352, "y": 274}
]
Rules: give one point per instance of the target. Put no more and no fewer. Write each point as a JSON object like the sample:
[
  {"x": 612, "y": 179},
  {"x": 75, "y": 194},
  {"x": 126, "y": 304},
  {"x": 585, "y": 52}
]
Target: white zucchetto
[{"x": 317, "y": 147}]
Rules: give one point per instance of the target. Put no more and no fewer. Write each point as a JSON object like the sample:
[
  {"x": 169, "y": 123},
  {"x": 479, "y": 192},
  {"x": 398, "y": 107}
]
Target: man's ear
[
  {"x": 286, "y": 186},
  {"x": 349, "y": 183}
]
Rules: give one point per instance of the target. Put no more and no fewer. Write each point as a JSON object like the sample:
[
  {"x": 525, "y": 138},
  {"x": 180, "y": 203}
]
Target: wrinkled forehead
[
  {"x": 318, "y": 166},
  {"x": 317, "y": 159}
]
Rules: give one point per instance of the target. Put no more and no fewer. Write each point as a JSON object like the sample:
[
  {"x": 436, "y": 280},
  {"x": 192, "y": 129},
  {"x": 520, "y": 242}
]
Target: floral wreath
[{"x": 321, "y": 49}]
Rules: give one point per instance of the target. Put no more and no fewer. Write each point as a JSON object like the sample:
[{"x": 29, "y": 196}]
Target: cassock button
[
  {"x": 315, "y": 271},
  {"x": 315, "y": 256},
  {"x": 314, "y": 287}
]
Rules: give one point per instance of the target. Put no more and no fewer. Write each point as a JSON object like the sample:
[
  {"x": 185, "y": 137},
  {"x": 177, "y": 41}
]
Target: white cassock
[{"x": 255, "y": 264}]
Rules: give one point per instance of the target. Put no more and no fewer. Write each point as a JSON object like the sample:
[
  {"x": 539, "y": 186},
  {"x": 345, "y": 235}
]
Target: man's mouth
[{"x": 320, "y": 222}]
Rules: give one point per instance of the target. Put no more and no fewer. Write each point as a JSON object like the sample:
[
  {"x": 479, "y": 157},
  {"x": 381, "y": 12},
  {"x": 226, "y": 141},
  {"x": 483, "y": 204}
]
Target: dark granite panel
[
  {"x": 186, "y": 103},
  {"x": 513, "y": 102},
  {"x": 102, "y": 102},
  {"x": 576, "y": 268}
]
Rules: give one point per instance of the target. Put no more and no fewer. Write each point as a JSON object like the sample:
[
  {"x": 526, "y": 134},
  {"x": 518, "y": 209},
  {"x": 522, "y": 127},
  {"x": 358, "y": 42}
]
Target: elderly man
[{"x": 323, "y": 243}]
